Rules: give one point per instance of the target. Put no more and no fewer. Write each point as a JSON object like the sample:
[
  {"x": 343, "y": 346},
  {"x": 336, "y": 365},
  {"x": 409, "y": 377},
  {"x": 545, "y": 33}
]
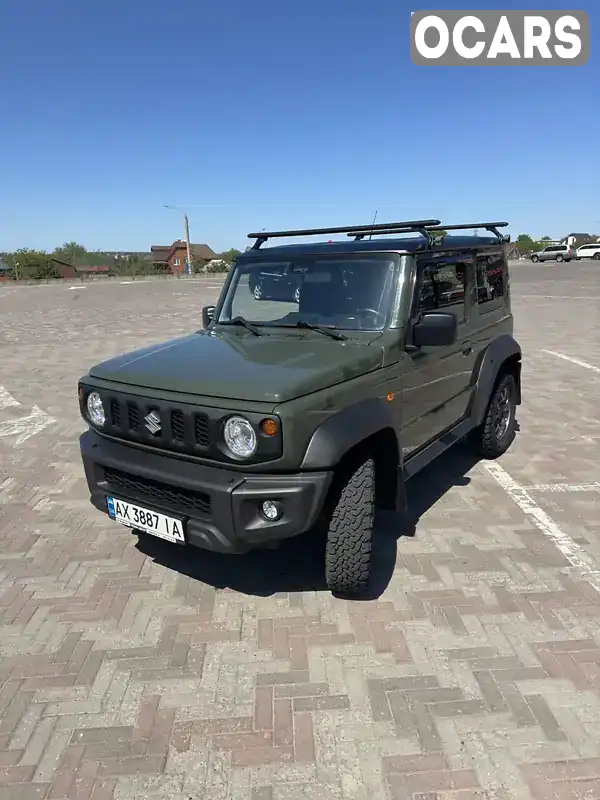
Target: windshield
[{"x": 342, "y": 292}]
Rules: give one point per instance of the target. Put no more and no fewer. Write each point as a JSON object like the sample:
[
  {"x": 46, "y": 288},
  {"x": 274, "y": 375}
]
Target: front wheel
[
  {"x": 596, "y": 256},
  {"x": 350, "y": 533},
  {"x": 258, "y": 292},
  {"x": 498, "y": 429}
]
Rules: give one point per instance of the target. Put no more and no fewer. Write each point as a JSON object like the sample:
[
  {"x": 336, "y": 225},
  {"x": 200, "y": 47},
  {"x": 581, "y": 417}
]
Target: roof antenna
[{"x": 373, "y": 223}]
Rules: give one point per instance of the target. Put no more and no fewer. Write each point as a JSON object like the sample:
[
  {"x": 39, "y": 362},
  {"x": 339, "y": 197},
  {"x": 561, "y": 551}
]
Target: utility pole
[
  {"x": 187, "y": 236},
  {"x": 187, "y": 241}
]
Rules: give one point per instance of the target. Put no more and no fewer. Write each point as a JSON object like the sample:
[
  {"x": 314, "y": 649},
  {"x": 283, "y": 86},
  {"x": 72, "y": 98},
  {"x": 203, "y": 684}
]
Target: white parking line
[
  {"x": 574, "y": 553},
  {"x": 24, "y": 427},
  {"x": 577, "y": 361},
  {"x": 557, "y": 296},
  {"x": 561, "y": 488},
  {"x": 6, "y": 399}
]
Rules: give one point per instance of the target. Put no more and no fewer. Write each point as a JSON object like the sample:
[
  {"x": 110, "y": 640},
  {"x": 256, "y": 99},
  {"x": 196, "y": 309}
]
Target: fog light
[{"x": 270, "y": 510}]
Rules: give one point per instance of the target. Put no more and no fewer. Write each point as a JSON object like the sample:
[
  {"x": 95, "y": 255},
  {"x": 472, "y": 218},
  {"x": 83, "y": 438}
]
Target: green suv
[{"x": 310, "y": 404}]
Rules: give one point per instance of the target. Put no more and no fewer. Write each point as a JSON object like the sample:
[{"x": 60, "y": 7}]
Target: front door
[{"x": 436, "y": 384}]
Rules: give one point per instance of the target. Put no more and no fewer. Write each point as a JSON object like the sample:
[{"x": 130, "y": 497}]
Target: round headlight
[
  {"x": 240, "y": 437},
  {"x": 96, "y": 409}
]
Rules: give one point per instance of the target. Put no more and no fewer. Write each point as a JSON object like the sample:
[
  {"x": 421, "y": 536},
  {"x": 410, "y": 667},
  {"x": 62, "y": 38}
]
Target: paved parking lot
[{"x": 126, "y": 669}]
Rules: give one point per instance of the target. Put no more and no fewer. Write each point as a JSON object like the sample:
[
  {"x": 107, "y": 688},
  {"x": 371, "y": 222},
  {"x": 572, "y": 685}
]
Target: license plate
[{"x": 133, "y": 516}]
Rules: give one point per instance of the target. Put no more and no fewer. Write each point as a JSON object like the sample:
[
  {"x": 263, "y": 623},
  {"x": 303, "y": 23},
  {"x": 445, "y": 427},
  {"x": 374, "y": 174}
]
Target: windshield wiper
[
  {"x": 321, "y": 329},
  {"x": 244, "y": 324}
]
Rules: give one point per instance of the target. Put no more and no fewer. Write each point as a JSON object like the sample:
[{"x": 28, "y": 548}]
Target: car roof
[{"x": 377, "y": 245}]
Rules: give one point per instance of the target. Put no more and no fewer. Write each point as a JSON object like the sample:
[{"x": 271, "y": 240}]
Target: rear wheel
[
  {"x": 498, "y": 429},
  {"x": 258, "y": 292},
  {"x": 535, "y": 258},
  {"x": 559, "y": 258},
  {"x": 350, "y": 532}
]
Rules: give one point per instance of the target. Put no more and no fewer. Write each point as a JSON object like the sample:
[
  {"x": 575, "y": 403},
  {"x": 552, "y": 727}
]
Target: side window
[
  {"x": 443, "y": 285},
  {"x": 490, "y": 272}
]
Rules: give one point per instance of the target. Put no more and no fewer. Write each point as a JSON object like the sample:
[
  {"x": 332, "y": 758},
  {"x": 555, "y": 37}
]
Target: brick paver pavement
[{"x": 129, "y": 670}]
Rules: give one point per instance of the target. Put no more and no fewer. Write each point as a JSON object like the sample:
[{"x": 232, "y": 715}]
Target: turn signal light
[{"x": 268, "y": 427}]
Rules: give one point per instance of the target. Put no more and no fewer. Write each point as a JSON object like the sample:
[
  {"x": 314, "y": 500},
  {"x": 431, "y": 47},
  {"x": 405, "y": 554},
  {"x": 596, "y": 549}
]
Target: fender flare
[
  {"x": 497, "y": 352},
  {"x": 347, "y": 428}
]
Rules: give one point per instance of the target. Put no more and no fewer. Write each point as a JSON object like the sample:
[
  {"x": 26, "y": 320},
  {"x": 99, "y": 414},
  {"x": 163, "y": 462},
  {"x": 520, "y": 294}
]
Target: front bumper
[{"x": 220, "y": 507}]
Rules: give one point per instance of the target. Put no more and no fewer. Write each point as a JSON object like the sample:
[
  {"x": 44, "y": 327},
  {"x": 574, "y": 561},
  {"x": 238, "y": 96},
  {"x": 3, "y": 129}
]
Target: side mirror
[
  {"x": 208, "y": 313},
  {"x": 435, "y": 329}
]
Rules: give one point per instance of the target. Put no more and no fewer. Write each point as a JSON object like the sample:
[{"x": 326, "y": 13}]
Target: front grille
[
  {"x": 178, "y": 426},
  {"x": 115, "y": 412},
  {"x": 174, "y": 428},
  {"x": 133, "y": 416},
  {"x": 202, "y": 430},
  {"x": 137, "y": 488},
  {"x": 181, "y": 429}
]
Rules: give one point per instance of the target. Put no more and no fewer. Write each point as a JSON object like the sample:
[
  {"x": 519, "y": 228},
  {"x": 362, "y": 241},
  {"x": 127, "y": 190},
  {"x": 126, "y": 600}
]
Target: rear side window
[
  {"x": 490, "y": 278},
  {"x": 443, "y": 284}
]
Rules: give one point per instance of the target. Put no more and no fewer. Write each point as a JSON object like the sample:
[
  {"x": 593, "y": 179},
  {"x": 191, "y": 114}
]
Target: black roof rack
[
  {"x": 430, "y": 229},
  {"x": 420, "y": 225}
]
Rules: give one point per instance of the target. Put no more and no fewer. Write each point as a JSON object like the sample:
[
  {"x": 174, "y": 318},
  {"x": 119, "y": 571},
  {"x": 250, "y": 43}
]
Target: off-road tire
[
  {"x": 350, "y": 533},
  {"x": 485, "y": 439}
]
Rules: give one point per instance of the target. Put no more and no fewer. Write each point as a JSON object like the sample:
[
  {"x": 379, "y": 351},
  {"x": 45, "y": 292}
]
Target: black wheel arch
[
  {"x": 500, "y": 356},
  {"x": 369, "y": 426}
]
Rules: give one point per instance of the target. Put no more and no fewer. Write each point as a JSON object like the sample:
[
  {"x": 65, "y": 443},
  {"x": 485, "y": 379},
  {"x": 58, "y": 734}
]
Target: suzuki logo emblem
[{"x": 153, "y": 422}]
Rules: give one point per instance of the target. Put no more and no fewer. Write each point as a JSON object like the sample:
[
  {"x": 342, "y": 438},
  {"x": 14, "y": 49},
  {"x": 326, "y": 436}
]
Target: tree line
[
  {"x": 29, "y": 264},
  {"x": 527, "y": 244}
]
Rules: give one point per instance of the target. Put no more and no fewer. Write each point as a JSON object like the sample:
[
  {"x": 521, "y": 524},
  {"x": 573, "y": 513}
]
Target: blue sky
[{"x": 272, "y": 114}]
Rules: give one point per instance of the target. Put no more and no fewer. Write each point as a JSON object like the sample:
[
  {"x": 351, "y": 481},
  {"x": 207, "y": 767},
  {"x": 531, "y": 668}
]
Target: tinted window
[
  {"x": 443, "y": 285},
  {"x": 489, "y": 271}
]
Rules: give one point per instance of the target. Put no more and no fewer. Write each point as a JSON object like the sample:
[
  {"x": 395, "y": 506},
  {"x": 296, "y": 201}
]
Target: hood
[{"x": 237, "y": 365}]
